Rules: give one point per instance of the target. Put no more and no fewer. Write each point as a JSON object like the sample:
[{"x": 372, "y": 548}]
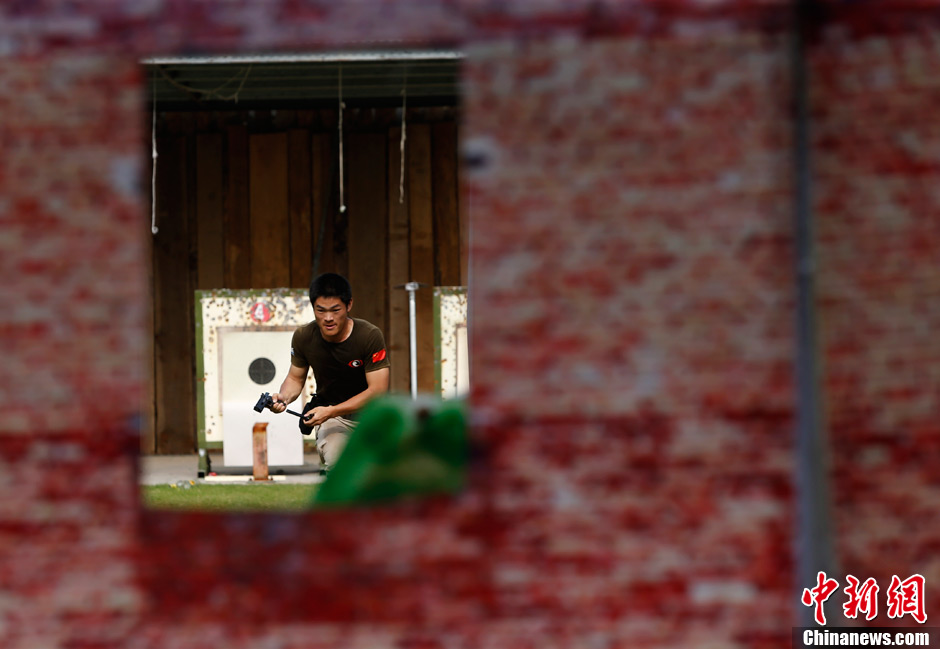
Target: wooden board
[
  {"x": 399, "y": 269},
  {"x": 268, "y": 210},
  {"x": 175, "y": 416},
  {"x": 446, "y": 217},
  {"x": 210, "y": 240},
  {"x": 299, "y": 180},
  {"x": 148, "y": 438},
  {"x": 340, "y": 223},
  {"x": 418, "y": 154},
  {"x": 323, "y": 204},
  {"x": 236, "y": 220},
  {"x": 463, "y": 216},
  {"x": 367, "y": 211}
]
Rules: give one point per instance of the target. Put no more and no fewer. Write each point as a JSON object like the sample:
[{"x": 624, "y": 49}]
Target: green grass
[{"x": 230, "y": 497}]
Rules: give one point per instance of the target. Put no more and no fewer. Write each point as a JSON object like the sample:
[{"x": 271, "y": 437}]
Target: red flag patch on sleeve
[{"x": 378, "y": 356}]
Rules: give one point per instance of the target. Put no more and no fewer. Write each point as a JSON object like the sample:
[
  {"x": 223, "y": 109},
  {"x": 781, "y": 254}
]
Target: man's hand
[
  {"x": 291, "y": 388},
  {"x": 277, "y": 405},
  {"x": 318, "y": 415}
]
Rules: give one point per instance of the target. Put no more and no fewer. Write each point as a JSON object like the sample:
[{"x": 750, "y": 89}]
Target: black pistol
[{"x": 266, "y": 401}]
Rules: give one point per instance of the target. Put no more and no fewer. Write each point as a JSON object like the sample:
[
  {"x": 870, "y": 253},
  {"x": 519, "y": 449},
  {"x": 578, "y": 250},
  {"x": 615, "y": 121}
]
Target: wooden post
[{"x": 259, "y": 439}]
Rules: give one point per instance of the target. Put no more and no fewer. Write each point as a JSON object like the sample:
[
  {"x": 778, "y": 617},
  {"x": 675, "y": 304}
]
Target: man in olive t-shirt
[{"x": 349, "y": 361}]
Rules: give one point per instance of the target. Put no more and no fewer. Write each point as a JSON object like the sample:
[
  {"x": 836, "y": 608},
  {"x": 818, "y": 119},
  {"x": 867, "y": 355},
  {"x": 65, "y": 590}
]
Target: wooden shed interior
[{"x": 262, "y": 182}]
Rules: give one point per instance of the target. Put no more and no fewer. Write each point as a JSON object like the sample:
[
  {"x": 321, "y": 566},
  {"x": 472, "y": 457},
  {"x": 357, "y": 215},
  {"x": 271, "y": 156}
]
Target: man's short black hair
[{"x": 331, "y": 285}]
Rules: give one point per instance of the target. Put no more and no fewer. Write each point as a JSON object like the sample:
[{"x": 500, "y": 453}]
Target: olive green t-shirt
[{"x": 339, "y": 368}]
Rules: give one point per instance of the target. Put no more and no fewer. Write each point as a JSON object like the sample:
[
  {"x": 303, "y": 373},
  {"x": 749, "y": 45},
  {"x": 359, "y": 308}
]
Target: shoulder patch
[{"x": 378, "y": 356}]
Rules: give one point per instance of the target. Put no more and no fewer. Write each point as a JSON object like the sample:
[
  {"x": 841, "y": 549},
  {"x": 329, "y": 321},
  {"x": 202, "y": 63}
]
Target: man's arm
[
  {"x": 377, "y": 383},
  {"x": 291, "y": 388}
]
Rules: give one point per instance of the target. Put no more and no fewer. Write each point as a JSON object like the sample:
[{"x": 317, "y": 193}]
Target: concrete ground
[{"x": 170, "y": 469}]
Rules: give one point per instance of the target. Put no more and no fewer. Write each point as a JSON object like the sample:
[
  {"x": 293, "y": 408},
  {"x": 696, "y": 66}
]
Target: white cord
[
  {"x": 153, "y": 154},
  {"x": 342, "y": 199},
  {"x": 401, "y": 180},
  {"x": 210, "y": 94}
]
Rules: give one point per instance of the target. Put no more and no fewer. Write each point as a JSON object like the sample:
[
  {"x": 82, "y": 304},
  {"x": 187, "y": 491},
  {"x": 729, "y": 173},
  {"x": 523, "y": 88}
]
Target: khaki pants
[{"x": 331, "y": 440}]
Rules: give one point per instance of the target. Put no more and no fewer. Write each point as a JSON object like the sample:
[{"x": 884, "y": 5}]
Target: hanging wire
[
  {"x": 214, "y": 93},
  {"x": 342, "y": 199},
  {"x": 242, "y": 84},
  {"x": 153, "y": 155}
]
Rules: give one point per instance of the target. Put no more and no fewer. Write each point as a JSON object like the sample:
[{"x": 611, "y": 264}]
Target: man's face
[{"x": 332, "y": 316}]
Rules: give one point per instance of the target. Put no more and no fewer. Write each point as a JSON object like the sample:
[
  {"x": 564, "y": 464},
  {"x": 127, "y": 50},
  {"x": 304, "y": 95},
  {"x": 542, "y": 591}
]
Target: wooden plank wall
[
  {"x": 250, "y": 200},
  {"x": 421, "y": 219},
  {"x": 268, "y": 217},
  {"x": 174, "y": 405},
  {"x": 399, "y": 265}
]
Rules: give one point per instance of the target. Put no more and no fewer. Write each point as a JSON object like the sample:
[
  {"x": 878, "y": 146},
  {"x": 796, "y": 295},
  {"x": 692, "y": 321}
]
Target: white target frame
[{"x": 220, "y": 313}]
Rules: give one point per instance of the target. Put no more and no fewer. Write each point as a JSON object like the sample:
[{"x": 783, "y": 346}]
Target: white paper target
[{"x": 253, "y": 362}]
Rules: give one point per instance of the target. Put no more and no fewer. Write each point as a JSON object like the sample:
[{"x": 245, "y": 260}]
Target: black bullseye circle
[{"x": 261, "y": 371}]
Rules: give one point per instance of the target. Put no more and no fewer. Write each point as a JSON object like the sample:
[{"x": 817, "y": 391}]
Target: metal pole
[
  {"x": 814, "y": 543},
  {"x": 411, "y": 287}
]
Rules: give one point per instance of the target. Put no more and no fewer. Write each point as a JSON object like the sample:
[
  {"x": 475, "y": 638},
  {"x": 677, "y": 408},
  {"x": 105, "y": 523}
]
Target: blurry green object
[{"x": 400, "y": 448}]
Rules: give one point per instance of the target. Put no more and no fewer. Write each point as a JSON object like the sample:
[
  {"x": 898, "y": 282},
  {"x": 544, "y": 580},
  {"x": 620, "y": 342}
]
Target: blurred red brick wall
[
  {"x": 877, "y": 152},
  {"x": 631, "y": 203}
]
